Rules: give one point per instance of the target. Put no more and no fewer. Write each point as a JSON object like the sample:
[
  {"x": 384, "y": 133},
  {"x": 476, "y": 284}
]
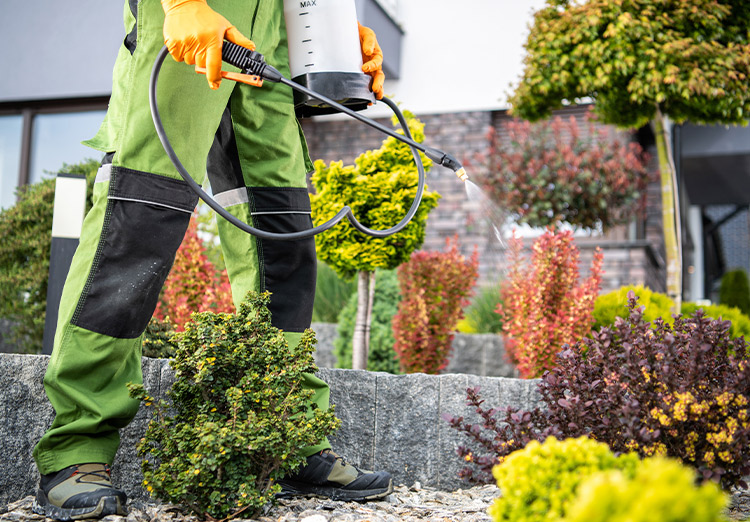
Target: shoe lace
[
  {"x": 339, "y": 458},
  {"x": 100, "y": 474}
]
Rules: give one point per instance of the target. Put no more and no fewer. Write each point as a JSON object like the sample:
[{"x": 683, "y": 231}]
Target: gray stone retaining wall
[
  {"x": 389, "y": 421},
  {"x": 476, "y": 354}
]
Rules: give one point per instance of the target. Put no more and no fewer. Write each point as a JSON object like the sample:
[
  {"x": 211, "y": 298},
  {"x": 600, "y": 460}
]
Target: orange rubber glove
[
  {"x": 372, "y": 58},
  {"x": 194, "y": 34}
]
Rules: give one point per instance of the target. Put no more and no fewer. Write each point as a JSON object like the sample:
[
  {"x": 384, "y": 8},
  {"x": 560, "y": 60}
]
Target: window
[
  {"x": 10, "y": 158},
  {"x": 56, "y": 139}
]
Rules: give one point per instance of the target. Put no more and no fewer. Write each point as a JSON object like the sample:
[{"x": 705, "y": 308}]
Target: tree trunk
[
  {"x": 361, "y": 338},
  {"x": 670, "y": 210}
]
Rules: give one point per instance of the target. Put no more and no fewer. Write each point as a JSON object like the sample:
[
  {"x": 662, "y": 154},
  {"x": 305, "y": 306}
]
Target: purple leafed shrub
[{"x": 680, "y": 390}]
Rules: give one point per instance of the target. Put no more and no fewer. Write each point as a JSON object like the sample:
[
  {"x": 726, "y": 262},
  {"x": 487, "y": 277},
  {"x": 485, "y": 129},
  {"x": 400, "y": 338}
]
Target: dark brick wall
[{"x": 632, "y": 253}]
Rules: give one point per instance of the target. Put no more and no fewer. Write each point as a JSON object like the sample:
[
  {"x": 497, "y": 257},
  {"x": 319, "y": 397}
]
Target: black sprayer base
[{"x": 349, "y": 89}]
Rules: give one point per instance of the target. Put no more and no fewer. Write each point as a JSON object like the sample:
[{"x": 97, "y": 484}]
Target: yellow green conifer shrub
[
  {"x": 380, "y": 188},
  {"x": 662, "y": 490},
  {"x": 539, "y": 482}
]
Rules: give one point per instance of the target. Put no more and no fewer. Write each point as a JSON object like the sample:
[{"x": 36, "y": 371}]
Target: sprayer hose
[{"x": 346, "y": 211}]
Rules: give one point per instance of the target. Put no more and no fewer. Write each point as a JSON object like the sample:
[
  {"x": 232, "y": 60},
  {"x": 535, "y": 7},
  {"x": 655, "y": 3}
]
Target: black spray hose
[{"x": 273, "y": 75}]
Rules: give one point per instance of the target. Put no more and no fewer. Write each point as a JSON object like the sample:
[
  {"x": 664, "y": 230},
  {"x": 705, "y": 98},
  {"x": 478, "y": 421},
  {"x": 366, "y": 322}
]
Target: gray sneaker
[
  {"x": 78, "y": 492},
  {"x": 328, "y": 475}
]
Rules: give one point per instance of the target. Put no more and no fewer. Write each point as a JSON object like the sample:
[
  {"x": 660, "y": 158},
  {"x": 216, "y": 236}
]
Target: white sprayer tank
[{"x": 325, "y": 55}]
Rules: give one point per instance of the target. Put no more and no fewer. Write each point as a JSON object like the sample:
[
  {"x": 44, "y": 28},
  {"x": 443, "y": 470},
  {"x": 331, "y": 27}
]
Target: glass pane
[
  {"x": 56, "y": 139},
  {"x": 10, "y": 158}
]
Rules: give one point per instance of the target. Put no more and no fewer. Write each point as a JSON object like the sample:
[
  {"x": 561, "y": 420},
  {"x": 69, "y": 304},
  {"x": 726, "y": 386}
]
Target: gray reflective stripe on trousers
[
  {"x": 104, "y": 173},
  {"x": 238, "y": 196}
]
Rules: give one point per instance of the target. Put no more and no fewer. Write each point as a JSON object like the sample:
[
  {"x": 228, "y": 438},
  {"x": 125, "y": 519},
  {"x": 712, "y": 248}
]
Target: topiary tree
[
  {"x": 380, "y": 188},
  {"x": 551, "y": 173},
  {"x": 26, "y": 229},
  {"x": 642, "y": 61},
  {"x": 735, "y": 290}
]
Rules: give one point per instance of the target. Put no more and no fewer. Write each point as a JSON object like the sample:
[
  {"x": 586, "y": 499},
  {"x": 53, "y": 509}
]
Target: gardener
[{"x": 250, "y": 144}]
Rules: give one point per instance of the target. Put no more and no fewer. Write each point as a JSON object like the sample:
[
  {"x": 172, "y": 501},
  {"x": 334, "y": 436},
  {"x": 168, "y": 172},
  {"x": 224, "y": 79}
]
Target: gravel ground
[{"x": 406, "y": 504}]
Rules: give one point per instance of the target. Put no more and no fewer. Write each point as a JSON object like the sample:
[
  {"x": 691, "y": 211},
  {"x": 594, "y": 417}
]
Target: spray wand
[{"x": 254, "y": 70}]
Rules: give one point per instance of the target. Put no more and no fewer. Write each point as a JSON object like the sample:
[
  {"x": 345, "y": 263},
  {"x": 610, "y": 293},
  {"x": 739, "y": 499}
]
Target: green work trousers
[{"x": 250, "y": 144}]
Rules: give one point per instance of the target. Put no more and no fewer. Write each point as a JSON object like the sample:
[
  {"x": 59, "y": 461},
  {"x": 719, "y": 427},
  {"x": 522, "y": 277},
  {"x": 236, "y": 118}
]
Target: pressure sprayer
[{"x": 326, "y": 65}]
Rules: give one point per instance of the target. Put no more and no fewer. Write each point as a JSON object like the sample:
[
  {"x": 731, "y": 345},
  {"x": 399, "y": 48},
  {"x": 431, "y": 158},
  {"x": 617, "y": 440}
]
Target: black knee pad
[{"x": 145, "y": 221}]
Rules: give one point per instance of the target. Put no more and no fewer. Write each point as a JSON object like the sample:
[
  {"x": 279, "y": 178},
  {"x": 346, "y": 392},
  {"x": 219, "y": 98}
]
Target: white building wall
[
  {"x": 460, "y": 55},
  {"x": 456, "y": 56}
]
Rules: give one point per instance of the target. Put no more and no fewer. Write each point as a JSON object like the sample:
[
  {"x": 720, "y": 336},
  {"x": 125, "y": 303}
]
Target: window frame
[{"x": 30, "y": 109}]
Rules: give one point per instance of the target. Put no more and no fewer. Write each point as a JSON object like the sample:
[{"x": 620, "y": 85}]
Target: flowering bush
[
  {"x": 662, "y": 489},
  {"x": 544, "y": 306},
  {"x": 237, "y": 419},
  {"x": 193, "y": 284},
  {"x": 680, "y": 390},
  {"x": 435, "y": 287},
  {"x": 539, "y": 482},
  {"x": 551, "y": 172}
]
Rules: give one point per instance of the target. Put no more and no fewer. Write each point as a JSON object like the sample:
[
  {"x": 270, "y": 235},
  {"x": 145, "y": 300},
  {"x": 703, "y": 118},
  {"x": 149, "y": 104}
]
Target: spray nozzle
[{"x": 446, "y": 160}]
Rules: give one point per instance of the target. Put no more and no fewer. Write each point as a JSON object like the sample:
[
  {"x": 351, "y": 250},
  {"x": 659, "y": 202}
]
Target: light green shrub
[
  {"x": 26, "y": 229},
  {"x": 539, "y": 482},
  {"x": 381, "y": 356},
  {"x": 662, "y": 490},
  {"x": 608, "y": 307},
  {"x": 740, "y": 322}
]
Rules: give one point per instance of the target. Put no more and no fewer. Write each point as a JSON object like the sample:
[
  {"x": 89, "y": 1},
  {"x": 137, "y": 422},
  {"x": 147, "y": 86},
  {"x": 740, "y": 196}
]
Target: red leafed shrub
[
  {"x": 193, "y": 284},
  {"x": 680, "y": 390},
  {"x": 551, "y": 172},
  {"x": 435, "y": 288},
  {"x": 543, "y": 304}
]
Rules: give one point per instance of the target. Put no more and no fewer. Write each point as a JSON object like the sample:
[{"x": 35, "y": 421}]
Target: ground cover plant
[
  {"x": 544, "y": 306},
  {"x": 608, "y": 307},
  {"x": 480, "y": 316},
  {"x": 435, "y": 287},
  {"x": 680, "y": 390},
  {"x": 237, "y": 416}
]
